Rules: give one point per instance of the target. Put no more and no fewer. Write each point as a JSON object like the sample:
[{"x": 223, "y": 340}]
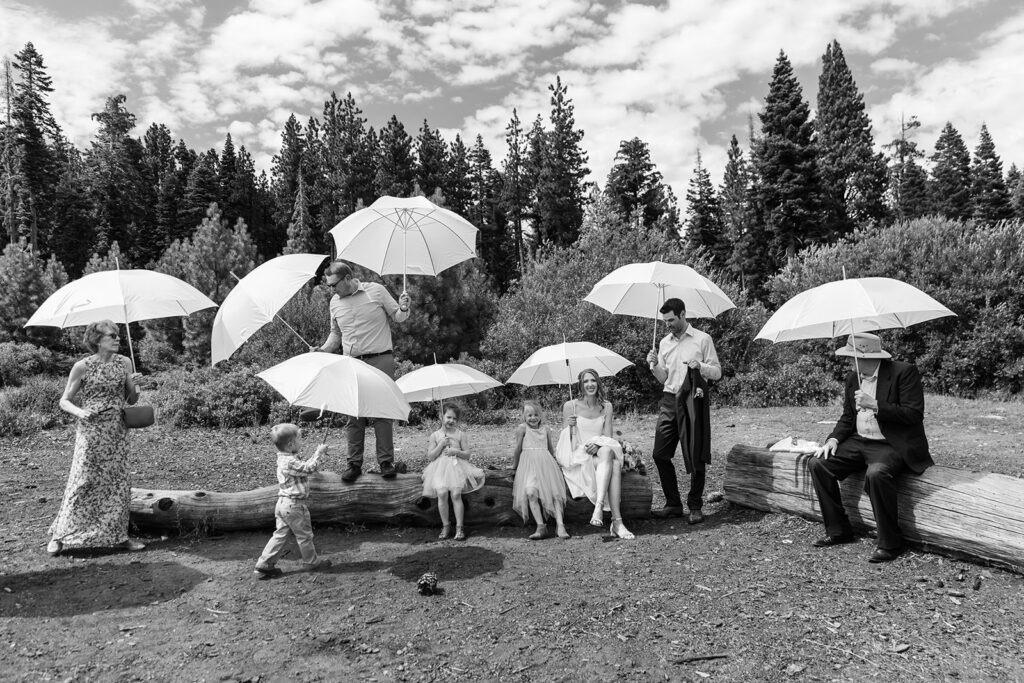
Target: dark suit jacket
[
  {"x": 695, "y": 439},
  {"x": 900, "y": 397}
]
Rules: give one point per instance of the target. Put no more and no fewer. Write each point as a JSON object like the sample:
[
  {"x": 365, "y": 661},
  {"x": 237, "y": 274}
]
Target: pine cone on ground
[{"x": 427, "y": 585}]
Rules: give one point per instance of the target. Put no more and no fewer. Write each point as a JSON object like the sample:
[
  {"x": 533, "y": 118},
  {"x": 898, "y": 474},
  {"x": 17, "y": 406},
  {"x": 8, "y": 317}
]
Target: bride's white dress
[{"x": 578, "y": 467}]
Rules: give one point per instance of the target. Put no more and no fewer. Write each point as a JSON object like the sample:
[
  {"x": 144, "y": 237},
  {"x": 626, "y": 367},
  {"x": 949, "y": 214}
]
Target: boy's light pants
[{"x": 292, "y": 522}]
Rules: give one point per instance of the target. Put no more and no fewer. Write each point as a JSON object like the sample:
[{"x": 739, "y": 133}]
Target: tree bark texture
[
  {"x": 973, "y": 515},
  {"x": 368, "y": 500}
]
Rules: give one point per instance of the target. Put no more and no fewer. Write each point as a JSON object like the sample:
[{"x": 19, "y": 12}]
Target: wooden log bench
[
  {"x": 368, "y": 500},
  {"x": 972, "y": 515}
]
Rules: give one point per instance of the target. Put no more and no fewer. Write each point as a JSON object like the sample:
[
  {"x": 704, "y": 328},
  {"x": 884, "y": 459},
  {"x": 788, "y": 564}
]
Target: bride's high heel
[
  {"x": 619, "y": 529},
  {"x": 597, "y": 519}
]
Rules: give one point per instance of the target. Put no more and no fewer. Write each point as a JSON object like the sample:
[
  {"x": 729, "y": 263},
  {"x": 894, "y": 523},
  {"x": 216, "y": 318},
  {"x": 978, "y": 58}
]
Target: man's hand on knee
[{"x": 827, "y": 450}]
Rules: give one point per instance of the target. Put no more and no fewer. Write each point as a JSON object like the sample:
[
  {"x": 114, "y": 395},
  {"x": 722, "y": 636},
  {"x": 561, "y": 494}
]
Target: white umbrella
[
  {"x": 561, "y": 363},
  {"x": 850, "y": 306},
  {"x": 447, "y": 380},
  {"x": 340, "y": 384},
  {"x": 407, "y": 235},
  {"x": 123, "y": 296},
  {"x": 640, "y": 289},
  {"x": 257, "y": 298}
]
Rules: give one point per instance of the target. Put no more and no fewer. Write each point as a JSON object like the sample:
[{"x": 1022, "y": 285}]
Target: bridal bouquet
[{"x": 632, "y": 459}]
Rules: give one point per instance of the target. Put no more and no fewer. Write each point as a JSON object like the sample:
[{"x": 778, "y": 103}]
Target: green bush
[
  {"x": 21, "y": 360},
  {"x": 970, "y": 268},
  {"x": 211, "y": 397},
  {"x": 800, "y": 382},
  {"x": 32, "y": 406}
]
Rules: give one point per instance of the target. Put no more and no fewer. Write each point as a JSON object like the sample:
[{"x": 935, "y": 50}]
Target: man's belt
[{"x": 373, "y": 355}]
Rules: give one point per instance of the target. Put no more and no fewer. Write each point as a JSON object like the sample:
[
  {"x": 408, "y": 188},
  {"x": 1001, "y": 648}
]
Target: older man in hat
[{"x": 881, "y": 431}]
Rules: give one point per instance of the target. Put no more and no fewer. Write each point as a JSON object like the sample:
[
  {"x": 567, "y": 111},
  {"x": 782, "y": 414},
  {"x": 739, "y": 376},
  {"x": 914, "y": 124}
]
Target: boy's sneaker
[{"x": 266, "y": 572}]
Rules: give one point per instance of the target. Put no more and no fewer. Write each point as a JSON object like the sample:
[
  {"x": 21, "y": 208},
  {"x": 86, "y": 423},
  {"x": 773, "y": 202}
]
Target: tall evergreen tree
[
  {"x": 536, "y": 158},
  {"x": 73, "y": 234},
  {"x": 456, "y": 188},
  {"x": 734, "y": 199},
  {"x": 789, "y": 189},
  {"x": 704, "y": 226},
  {"x": 396, "y": 172},
  {"x": 1015, "y": 186},
  {"x": 284, "y": 174},
  {"x": 431, "y": 159},
  {"x": 301, "y": 237},
  {"x": 908, "y": 182},
  {"x": 515, "y": 194},
  {"x": 989, "y": 196},
  {"x": 951, "y": 175},
  {"x": 486, "y": 212},
  {"x": 202, "y": 190},
  {"x": 853, "y": 176},
  {"x": 635, "y": 186},
  {"x": 561, "y": 185}
]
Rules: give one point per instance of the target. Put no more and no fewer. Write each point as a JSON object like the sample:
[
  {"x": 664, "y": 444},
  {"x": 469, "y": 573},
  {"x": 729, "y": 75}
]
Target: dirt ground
[{"x": 742, "y": 597}]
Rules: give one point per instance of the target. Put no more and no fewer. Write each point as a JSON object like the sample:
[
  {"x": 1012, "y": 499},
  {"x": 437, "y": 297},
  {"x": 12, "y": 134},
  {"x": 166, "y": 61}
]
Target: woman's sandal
[
  {"x": 460, "y": 535},
  {"x": 53, "y": 548},
  {"x": 597, "y": 519},
  {"x": 619, "y": 529},
  {"x": 446, "y": 532}
]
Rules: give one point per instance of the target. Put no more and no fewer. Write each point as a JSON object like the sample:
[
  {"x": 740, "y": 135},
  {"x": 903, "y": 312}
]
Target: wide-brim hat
[{"x": 863, "y": 345}]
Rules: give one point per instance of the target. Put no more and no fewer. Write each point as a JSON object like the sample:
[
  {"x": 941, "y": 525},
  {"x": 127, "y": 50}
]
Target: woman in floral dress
[{"x": 94, "y": 512}]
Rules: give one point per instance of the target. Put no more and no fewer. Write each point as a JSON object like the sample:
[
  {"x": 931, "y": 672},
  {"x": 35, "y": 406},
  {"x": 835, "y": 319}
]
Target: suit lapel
[{"x": 884, "y": 386}]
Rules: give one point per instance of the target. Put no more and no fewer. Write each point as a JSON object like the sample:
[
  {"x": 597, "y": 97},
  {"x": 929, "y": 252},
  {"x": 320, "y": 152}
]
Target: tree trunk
[
  {"x": 974, "y": 515},
  {"x": 368, "y": 500}
]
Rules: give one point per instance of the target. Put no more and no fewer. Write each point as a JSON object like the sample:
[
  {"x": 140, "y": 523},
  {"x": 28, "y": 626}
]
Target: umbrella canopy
[
  {"x": 849, "y": 306},
  {"x": 561, "y": 363},
  {"x": 123, "y": 296},
  {"x": 641, "y": 288},
  {"x": 257, "y": 298},
  {"x": 447, "y": 380},
  {"x": 408, "y": 235},
  {"x": 340, "y": 384}
]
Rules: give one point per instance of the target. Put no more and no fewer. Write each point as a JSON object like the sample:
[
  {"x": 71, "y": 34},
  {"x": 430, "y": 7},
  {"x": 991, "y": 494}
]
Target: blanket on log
[
  {"x": 975, "y": 515},
  {"x": 368, "y": 500}
]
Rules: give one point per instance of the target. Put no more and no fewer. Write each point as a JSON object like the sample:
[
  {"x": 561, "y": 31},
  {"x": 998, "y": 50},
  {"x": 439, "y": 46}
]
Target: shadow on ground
[{"x": 87, "y": 588}]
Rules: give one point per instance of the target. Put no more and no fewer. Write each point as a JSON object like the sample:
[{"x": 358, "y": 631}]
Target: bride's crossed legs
[{"x": 609, "y": 484}]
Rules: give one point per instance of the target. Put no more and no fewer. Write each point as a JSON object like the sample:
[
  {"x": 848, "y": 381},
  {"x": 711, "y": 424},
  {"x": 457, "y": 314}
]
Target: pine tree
[
  {"x": 25, "y": 283},
  {"x": 202, "y": 190},
  {"x": 561, "y": 186},
  {"x": 635, "y": 186},
  {"x": 456, "y": 188},
  {"x": 853, "y": 176},
  {"x": 1015, "y": 186},
  {"x": 704, "y": 227},
  {"x": 536, "y": 159},
  {"x": 73, "y": 234},
  {"x": 284, "y": 174},
  {"x": 486, "y": 211},
  {"x": 789, "y": 190},
  {"x": 431, "y": 160},
  {"x": 515, "y": 194},
  {"x": 908, "y": 182},
  {"x": 396, "y": 172},
  {"x": 989, "y": 196},
  {"x": 111, "y": 259},
  {"x": 301, "y": 239},
  {"x": 951, "y": 175},
  {"x": 734, "y": 199}
]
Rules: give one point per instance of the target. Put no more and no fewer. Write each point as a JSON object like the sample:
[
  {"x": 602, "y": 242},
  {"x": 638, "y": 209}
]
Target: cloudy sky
[{"x": 683, "y": 75}]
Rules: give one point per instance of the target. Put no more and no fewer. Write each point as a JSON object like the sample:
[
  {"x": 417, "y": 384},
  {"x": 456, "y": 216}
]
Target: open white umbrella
[
  {"x": 340, "y": 384},
  {"x": 257, "y": 298},
  {"x": 407, "y": 235},
  {"x": 446, "y": 380},
  {"x": 850, "y": 306},
  {"x": 123, "y": 296},
  {"x": 640, "y": 289},
  {"x": 561, "y": 363}
]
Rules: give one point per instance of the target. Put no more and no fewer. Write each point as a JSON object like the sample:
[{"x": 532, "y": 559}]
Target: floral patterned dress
[{"x": 94, "y": 512}]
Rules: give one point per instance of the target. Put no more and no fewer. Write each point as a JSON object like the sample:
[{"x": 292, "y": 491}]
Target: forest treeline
[{"x": 800, "y": 187}]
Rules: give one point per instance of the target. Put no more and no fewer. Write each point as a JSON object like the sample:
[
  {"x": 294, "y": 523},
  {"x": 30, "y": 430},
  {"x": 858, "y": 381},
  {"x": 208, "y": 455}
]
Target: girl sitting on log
[
  {"x": 450, "y": 472},
  {"x": 539, "y": 486}
]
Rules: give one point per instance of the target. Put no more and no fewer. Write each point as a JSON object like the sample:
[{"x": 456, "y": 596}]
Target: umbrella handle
[
  {"x": 278, "y": 317},
  {"x": 128, "y": 333}
]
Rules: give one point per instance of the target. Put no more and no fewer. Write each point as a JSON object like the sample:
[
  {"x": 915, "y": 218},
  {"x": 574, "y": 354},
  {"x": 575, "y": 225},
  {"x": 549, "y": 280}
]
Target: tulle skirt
[
  {"x": 579, "y": 468},
  {"x": 538, "y": 470},
  {"x": 451, "y": 474}
]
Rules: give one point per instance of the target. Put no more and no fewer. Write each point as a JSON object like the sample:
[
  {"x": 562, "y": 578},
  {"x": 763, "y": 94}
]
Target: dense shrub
[
  {"x": 32, "y": 406},
  {"x": 801, "y": 381},
  {"x": 973, "y": 269},
  {"x": 211, "y": 397},
  {"x": 21, "y": 360},
  {"x": 25, "y": 283}
]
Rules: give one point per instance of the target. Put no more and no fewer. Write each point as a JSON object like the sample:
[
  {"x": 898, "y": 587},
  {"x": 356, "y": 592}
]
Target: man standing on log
[
  {"x": 683, "y": 362},
  {"x": 881, "y": 431},
  {"x": 359, "y": 324}
]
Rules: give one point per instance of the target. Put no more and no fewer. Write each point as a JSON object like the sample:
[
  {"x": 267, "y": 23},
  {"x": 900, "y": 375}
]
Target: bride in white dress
[{"x": 591, "y": 459}]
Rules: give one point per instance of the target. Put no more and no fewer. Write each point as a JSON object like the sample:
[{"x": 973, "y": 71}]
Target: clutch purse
[{"x": 137, "y": 417}]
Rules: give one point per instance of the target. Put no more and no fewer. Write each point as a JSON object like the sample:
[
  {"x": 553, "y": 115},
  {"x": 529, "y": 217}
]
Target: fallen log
[
  {"x": 972, "y": 515},
  {"x": 368, "y": 500}
]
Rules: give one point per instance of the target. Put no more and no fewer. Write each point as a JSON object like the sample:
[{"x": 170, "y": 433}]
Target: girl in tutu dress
[
  {"x": 539, "y": 485},
  {"x": 449, "y": 472}
]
